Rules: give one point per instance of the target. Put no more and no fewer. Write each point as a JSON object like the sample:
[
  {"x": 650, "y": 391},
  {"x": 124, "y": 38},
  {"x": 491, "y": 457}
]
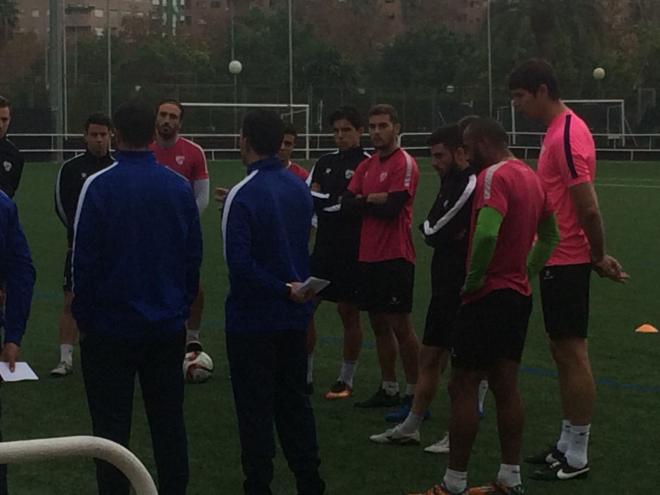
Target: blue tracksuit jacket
[
  {"x": 266, "y": 225},
  {"x": 17, "y": 273},
  {"x": 137, "y": 249}
]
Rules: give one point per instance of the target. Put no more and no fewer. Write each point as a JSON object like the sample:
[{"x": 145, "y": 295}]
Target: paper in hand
[
  {"x": 22, "y": 372},
  {"x": 313, "y": 283}
]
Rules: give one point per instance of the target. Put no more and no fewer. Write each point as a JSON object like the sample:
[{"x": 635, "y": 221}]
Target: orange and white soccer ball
[{"x": 197, "y": 367}]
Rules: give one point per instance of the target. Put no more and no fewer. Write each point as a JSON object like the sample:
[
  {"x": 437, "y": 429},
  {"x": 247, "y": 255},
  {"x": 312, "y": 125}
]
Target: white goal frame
[
  {"x": 290, "y": 107},
  {"x": 608, "y": 102}
]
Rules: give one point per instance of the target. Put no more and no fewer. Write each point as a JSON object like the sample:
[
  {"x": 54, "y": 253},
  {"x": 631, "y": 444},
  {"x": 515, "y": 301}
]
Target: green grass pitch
[{"x": 625, "y": 434}]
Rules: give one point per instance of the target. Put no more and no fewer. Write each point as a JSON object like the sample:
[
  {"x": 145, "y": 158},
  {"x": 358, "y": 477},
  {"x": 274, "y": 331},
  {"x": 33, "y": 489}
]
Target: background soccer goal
[{"x": 217, "y": 125}]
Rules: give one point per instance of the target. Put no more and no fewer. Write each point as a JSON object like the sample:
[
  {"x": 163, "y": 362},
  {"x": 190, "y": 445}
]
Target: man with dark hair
[
  {"x": 446, "y": 230},
  {"x": 69, "y": 183},
  {"x": 510, "y": 208},
  {"x": 266, "y": 223},
  {"x": 11, "y": 160},
  {"x": 17, "y": 276},
  {"x": 383, "y": 191},
  {"x": 338, "y": 238},
  {"x": 567, "y": 168},
  {"x": 286, "y": 150},
  {"x": 136, "y": 259},
  {"x": 188, "y": 159}
]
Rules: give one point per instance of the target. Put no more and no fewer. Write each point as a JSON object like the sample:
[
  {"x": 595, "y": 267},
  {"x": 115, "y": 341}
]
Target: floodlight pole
[
  {"x": 490, "y": 62},
  {"x": 291, "y": 60},
  {"x": 108, "y": 34},
  {"x": 233, "y": 57},
  {"x": 55, "y": 66}
]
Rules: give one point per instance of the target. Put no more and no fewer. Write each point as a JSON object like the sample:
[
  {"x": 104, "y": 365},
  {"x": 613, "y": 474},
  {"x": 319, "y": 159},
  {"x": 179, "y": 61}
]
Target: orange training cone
[{"x": 646, "y": 328}]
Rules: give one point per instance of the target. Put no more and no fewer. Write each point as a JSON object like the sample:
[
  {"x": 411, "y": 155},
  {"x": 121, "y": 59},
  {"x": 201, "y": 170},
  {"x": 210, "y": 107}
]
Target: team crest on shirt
[
  {"x": 383, "y": 176},
  {"x": 349, "y": 173},
  {"x": 7, "y": 166},
  {"x": 180, "y": 159}
]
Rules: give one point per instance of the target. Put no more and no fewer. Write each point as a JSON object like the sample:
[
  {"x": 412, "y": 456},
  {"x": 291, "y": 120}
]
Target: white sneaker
[
  {"x": 396, "y": 437},
  {"x": 62, "y": 369},
  {"x": 439, "y": 447}
]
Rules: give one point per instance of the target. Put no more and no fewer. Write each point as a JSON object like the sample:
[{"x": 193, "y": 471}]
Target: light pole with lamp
[
  {"x": 291, "y": 60},
  {"x": 490, "y": 62}
]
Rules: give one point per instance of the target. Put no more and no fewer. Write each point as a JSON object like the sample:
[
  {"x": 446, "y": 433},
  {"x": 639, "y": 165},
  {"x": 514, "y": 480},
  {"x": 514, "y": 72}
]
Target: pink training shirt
[
  {"x": 568, "y": 158},
  {"x": 513, "y": 189},
  {"x": 185, "y": 157},
  {"x": 383, "y": 240}
]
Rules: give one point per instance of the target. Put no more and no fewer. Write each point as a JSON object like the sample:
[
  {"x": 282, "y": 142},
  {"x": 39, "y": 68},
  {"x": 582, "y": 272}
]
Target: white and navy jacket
[
  {"x": 266, "y": 224},
  {"x": 137, "y": 249}
]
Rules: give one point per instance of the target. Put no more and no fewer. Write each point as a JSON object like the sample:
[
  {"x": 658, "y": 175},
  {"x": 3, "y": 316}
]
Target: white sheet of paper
[
  {"x": 316, "y": 284},
  {"x": 22, "y": 372}
]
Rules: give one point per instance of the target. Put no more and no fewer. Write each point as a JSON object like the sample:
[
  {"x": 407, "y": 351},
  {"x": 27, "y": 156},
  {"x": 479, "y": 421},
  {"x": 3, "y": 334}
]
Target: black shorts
[
  {"x": 67, "y": 286},
  {"x": 440, "y": 317},
  {"x": 342, "y": 271},
  {"x": 386, "y": 286},
  {"x": 565, "y": 300},
  {"x": 491, "y": 328}
]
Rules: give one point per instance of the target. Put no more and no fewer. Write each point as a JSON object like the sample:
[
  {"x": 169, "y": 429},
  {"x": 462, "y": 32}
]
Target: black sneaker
[
  {"x": 549, "y": 456},
  {"x": 560, "y": 471},
  {"x": 380, "y": 399}
]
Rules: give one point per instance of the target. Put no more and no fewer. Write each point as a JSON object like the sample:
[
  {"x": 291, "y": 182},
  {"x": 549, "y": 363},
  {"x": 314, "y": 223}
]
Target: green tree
[{"x": 8, "y": 19}]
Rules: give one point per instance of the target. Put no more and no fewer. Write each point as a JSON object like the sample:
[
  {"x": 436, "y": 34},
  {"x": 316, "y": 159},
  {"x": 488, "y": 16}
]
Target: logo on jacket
[
  {"x": 180, "y": 160},
  {"x": 327, "y": 171},
  {"x": 83, "y": 175},
  {"x": 383, "y": 176},
  {"x": 7, "y": 166},
  {"x": 349, "y": 173}
]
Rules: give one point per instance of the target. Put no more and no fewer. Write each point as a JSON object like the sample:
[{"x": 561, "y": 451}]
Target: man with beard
[
  {"x": 70, "y": 180},
  {"x": 188, "y": 159},
  {"x": 510, "y": 208},
  {"x": 446, "y": 230},
  {"x": 383, "y": 191}
]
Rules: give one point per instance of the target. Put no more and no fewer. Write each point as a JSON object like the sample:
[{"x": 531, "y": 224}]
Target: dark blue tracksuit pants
[
  {"x": 109, "y": 368},
  {"x": 268, "y": 373}
]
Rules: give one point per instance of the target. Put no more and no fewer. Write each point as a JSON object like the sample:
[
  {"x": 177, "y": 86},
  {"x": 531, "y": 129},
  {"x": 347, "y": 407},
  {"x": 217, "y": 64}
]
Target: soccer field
[{"x": 624, "y": 436}]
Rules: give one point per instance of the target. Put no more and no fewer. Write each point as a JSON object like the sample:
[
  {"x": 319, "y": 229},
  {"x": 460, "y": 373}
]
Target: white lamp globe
[
  {"x": 599, "y": 74},
  {"x": 235, "y": 67}
]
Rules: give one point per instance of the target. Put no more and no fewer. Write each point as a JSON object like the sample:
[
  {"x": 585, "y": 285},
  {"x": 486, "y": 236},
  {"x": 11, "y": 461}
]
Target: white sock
[
  {"x": 411, "y": 424},
  {"x": 509, "y": 475},
  {"x": 483, "y": 391},
  {"x": 347, "y": 372},
  {"x": 310, "y": 368},
  {"x": 410, "y": 389},
  {"x": 192, "y": 335},
  {"x": 576, "y": 455},
  {"x": 564, "y": 437},
  {"x": 455, "y": 481},
  {"x": 392, "y": 388},
  {"x": 66, "y": 353}
]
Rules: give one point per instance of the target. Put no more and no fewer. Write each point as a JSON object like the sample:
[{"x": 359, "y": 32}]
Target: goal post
[
  {"x": 604, "y": 116},
  {"x": 290, "y": 111}
]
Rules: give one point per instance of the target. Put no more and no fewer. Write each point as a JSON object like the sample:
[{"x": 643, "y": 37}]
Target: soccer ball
[{"x": 197, "y": 367}]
